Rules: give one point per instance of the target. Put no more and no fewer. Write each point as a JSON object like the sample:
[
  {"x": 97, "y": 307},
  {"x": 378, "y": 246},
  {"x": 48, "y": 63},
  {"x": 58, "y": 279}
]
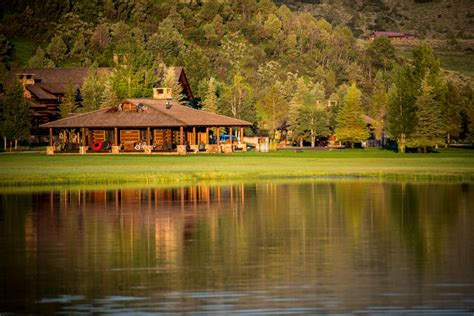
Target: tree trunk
[
  {"x": 11, "y": 146},
  {"x": 301, "y": 142},
  {"x": 16, "y": 144},
  {"x": 352, "y": 145},
  {"x": 448, "y": 140},
  {"x": 4, "y": 144},
  {"x": 425, "y": 150},
  {"x": 402, "y": 144},
  {"x": 313, "y": 141}
]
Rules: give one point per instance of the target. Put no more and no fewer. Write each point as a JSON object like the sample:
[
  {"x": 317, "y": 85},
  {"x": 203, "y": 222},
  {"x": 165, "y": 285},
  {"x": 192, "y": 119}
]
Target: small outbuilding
[{"x": 157, "y": 125}]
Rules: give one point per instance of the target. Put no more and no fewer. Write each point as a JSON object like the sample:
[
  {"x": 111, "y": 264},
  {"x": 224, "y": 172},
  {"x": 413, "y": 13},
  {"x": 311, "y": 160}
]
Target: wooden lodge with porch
[{"x": 157, "y": 125}]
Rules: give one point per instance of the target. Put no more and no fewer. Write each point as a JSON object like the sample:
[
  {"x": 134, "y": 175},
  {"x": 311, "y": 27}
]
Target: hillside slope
[{"x": 442, "y": 19}]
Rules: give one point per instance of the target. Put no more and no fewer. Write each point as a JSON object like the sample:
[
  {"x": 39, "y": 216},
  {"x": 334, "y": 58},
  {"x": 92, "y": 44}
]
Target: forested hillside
[
  {"x": 439, "y": 19},
  {"x": 254, "y": 60}
]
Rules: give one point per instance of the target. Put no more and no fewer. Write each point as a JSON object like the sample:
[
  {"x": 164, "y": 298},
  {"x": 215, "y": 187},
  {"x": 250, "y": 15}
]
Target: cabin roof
[
  {"x": 391, "y": 34},
  {"x": 155, "y": 115}
]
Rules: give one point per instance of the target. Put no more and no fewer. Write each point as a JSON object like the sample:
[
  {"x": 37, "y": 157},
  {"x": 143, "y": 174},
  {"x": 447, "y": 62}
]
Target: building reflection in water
[{"x": 343, "y": 238}]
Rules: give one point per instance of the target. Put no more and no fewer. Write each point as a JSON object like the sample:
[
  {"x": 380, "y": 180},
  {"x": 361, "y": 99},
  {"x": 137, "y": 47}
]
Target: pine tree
[
  {"x": 210, "y": 103},
  {"x": 39, "y": 60},
  {"x": 170, "y": 81},
  {"x": 350, "y": 123},
  {"x": 297, "y": 116},
  {"x": 317, "y": 113},
  {"x": 57, "y": 49},
  {"x": 16, "y": 115},
  {"x": 430, "y": 129},
  {"x": 68, "y": 104},
  {"x": 92, "y": 90},
  {"x": 109, "y": 96}
]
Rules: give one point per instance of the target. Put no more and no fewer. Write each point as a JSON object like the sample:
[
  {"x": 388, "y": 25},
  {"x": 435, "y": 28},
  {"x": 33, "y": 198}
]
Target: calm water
[{"x": 343, "y": 247}]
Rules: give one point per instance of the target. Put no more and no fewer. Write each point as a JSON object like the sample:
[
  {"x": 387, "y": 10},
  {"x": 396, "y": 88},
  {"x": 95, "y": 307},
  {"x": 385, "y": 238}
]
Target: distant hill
[{"x": 440, "y": 19}]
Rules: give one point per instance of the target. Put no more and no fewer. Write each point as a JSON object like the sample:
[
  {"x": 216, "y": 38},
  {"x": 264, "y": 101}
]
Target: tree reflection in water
[{"x": 299, "y": 247}]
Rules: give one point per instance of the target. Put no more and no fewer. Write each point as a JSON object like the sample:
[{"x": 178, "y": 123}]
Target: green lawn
[
  {"x": 39, "y": 169},
  {"x": 23, "y": 49},
  {"x": 462, "y": 63}
]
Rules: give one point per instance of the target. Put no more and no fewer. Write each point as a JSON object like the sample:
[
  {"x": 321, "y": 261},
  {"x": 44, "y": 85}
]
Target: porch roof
[{"x": 154, "y": 113}]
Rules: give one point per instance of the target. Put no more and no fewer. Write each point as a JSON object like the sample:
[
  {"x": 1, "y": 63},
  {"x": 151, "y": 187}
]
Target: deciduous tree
[
  {"x": 16, "y": 115},
  {"x": 401, "y": 114}
]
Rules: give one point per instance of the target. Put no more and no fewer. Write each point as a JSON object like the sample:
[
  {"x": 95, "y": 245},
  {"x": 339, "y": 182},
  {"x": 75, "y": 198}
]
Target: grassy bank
[{"x": 39, "y": 169}]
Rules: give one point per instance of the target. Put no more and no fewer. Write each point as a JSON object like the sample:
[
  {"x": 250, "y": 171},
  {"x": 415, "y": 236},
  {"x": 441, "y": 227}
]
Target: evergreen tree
[
  {"x": 68, "y": 104},
  {"x": 297, "y": 116},
  {"x": 57, "y": 49},
  {"x": 16, "y": 115},
  {"x": 318, "y": 117},
  {"x": 92, "y": 90},
  {"x": 109, "y": 96},
  {"x": 170, "y": 81},
  {"x": 401, "y": 115},
  {"x": 210, "y": 103},
  {"x": 350, "y": 123},
  {"x": 39, "y": 60},
  {"x": 430, "y": 129}
]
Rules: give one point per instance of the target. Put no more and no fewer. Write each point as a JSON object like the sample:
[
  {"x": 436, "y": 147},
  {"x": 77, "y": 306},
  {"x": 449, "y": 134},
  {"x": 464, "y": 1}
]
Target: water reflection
[{"x": 314, "y": 247}]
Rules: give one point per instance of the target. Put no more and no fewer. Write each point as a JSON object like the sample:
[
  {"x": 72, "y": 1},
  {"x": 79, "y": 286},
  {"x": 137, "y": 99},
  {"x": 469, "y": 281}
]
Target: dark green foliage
[
  {"x": 381, "y": 53},
  {"x": 16, "y": 115}
]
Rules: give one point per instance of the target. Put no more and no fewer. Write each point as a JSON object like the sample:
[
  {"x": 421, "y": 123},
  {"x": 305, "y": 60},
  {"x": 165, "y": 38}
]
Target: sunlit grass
[{"x": 40, "y": 169}]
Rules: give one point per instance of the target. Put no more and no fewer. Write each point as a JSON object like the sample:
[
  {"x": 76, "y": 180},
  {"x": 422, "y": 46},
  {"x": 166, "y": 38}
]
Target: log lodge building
[{"x": 157, "y": 125}]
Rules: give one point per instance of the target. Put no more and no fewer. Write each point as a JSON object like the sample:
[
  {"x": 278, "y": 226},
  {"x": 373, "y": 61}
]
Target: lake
[{"x": 346, "y": 246}]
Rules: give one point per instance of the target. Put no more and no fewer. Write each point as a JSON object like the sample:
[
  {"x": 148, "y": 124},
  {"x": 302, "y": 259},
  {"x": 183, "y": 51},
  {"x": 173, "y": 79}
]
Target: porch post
[
  {"x": 83, "y": 131},
  {"x": 148, "y": 136},
  {"x": 193, "y": 138},
  {"x": 50, "y": 136},
  {"x": 241, "y": 135},
  {"x": 207, "y": 136},
  {"x": 218, "y": 134},
  {"x": 115, "y": 136},
  {"x": 181, "y": 135},
  {"x": 231, "y": 139}
]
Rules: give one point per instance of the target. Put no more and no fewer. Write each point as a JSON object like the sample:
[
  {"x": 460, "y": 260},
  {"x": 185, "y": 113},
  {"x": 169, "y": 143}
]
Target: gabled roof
[
  {"x": 391, "y": 34},
  {"x": 40, "y": 93},
  {"x": 180, "y": 75},
  {"x": 53, "y": 80},
  {"x": 155, "y": 115}
]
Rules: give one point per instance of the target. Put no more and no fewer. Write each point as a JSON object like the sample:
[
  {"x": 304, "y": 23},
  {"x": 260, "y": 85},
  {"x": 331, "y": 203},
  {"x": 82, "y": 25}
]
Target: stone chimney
[{"x": 162, "y": 94}]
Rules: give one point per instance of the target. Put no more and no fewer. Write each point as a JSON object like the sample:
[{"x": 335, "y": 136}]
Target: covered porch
[{"x": 150, "y": 140}]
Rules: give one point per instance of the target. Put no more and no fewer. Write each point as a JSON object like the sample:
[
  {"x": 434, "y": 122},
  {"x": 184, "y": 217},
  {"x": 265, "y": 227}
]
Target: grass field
[
  {"x": 39, "y": 169},
  {"x": 453, "y": 61}
]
